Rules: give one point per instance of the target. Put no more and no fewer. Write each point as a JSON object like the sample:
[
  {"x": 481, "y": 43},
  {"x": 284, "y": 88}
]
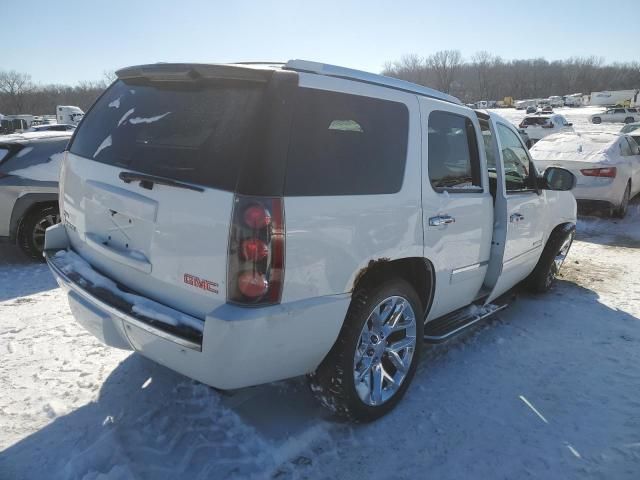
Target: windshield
[
  {"x": 198, "y": 134},
  {"x": 630, "y": 128}
]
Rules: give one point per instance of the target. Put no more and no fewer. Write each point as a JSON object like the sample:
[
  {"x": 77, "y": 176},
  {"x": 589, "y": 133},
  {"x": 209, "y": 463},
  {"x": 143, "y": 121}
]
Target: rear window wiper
[{"x": 147, "y": 181}]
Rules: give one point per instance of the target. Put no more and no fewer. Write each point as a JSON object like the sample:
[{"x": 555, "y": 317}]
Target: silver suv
[{"x": 29, "y": 168}]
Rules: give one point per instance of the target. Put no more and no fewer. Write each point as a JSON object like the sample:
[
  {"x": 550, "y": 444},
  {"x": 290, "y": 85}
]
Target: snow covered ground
[{"x": 549, "y": 388}]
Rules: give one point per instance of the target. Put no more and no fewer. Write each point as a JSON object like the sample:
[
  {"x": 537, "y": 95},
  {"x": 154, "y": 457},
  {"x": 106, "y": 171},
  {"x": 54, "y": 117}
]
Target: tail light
[
  {"x": 548, "y": 125},
  {"x": 608, "y": 172},
  {"x": 256, "y": 251}
]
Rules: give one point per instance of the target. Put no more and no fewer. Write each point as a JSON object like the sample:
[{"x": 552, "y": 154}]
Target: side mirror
[{"x": 559, "y": 179}]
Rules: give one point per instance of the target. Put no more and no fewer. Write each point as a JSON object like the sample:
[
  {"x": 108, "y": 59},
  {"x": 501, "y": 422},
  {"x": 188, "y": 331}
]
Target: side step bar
[{"x": 443, "y": 328}]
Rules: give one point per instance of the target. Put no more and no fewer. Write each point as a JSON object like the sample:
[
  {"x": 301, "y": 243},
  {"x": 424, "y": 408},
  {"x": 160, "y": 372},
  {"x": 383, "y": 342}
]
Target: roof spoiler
[{"x": 193, "y": 72}]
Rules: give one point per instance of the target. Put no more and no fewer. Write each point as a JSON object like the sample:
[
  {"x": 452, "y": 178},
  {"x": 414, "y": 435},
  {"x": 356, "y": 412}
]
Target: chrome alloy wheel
[
  {"x": 559, "y": 259},
  {"x": 40, "y": 228},
  {"x": 384, "y": 351}
]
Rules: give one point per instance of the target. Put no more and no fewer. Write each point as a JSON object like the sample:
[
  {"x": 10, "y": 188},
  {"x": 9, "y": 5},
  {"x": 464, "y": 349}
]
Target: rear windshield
[
  {"x": 18, "y": 157},
  {"x": 535, "y": 121},
  {"x": 192, "y": 133}
]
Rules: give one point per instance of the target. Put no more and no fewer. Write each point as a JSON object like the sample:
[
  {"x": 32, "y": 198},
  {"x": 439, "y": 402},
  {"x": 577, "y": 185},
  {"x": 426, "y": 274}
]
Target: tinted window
[
  {"x": 23, "y": 156},
  {"x": 453, "y": 152},
  {"x": 193, "y": 133},
  {"x": 619, "y": 110},
  {"x": 625, "y": 149},
  {"x": 346, "y": 145},
  {"x": 519, "y": 174}
]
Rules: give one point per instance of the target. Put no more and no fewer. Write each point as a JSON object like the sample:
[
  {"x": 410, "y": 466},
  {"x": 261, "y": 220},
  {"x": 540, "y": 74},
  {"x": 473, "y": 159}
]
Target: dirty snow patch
[
  {"x": 125, "y": 116},
  {"x": 106, "y": 143},
  {"x": 137, "y": 120}
]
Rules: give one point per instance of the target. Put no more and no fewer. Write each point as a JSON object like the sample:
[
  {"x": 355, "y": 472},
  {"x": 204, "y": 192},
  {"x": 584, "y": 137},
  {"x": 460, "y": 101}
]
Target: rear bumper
[
  {"x": 240, "y": 346},
  {"x": 610, "y": 192}
]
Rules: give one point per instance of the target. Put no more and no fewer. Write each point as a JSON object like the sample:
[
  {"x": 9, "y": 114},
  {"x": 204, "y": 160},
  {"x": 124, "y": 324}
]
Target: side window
[
  {"x": 619, "y": 110},
  {"x": 344, "y": 144},
  {"x": 519, "y": 172},
  {"x": 454, "y": 162},
  {"x": 625, "y": 148}
]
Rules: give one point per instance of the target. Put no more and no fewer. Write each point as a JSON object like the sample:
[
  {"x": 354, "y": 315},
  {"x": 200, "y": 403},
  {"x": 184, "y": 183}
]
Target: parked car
[
  {"x": 546, "y": 109},
  {"x": 29, "y": 168},
  {"x": 539, "y": 126},
  {"x": 229, "y": 224},
  {"x": 531, "y": 109},
  {"x": 53, "y": 127},
  {"x": 607, "y": 166},
  {"x": 616, "y": 115}
]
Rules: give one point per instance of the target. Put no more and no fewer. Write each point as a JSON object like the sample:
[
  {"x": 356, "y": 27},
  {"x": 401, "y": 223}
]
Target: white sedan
[
  {"x": 539, "y": 126},
  {"x": 606, "y": 165}
]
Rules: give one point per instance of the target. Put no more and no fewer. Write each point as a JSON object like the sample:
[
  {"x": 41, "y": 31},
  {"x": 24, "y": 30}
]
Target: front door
[{"x": 518, "y": 237}]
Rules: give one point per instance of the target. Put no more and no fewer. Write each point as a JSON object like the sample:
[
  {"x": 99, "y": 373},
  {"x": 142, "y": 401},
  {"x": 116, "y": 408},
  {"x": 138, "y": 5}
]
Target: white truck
[
  {"x": 245, "y": 224},
  {"x": 612, "y": 98},
  {"x": 68, "y": 114}
]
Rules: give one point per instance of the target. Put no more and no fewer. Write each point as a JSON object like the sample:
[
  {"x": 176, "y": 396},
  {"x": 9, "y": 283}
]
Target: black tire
[
  {"x": 596, "y": 120},
  {"x": 333, "y": 383},
  {"x": 621, "y": 210},
  {"x": 544, "y": 274},
  {"x": 31, "y": 230},
  {"x": 628, "y": 120}
]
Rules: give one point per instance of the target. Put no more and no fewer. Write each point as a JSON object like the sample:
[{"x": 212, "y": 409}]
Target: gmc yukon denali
[{"x": 242, "y": 224}]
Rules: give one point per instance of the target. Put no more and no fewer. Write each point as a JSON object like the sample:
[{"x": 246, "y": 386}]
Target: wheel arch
[
  {"x": 563, "y": 227},
  {"x": 419, "y": 272},
  {"x": 27, "y": 204}
]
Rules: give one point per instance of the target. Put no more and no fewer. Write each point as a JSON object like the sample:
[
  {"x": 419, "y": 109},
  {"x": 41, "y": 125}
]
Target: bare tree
[
  {"x": 445, "y": 64},
  {"x": 109, "y": 76},
  {"x": 14, "y": 87}
]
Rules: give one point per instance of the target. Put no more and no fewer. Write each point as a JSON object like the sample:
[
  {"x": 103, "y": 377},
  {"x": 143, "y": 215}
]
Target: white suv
[
  {"x": 242, "y": 224},
  {"x": 616, "y": 115}
]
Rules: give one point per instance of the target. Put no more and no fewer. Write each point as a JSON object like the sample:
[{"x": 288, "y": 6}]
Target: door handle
[
  {"x": 516, "y": 217},
  {"x": 440, "y": 220}
]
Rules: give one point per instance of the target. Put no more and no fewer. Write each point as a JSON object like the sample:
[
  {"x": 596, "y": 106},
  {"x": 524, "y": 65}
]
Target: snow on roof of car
[
  {"x": 578, "y": 146},
  {"x": 28, "y": 136}
]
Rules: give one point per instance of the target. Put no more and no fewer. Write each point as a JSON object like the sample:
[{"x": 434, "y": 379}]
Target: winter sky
[{"x": 64, "y": 42}]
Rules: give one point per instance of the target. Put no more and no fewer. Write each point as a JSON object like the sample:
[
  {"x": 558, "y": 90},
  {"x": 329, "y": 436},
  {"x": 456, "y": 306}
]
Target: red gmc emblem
[{"x": 201, "y": 283}]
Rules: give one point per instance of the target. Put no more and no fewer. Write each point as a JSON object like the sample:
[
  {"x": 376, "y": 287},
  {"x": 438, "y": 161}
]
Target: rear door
[
  {"x": 164, "y": 236},
  {"x": 457, "y": 205},
  {"x": 520, "y": 229}
]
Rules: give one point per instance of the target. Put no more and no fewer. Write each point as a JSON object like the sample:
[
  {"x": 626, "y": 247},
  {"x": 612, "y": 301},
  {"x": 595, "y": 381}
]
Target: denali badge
[{"x": 207, "y": 285}]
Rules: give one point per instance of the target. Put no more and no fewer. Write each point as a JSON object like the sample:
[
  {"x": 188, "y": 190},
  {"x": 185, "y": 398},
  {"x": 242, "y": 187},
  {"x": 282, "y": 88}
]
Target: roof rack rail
[{"x": 366, "y": 77}]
